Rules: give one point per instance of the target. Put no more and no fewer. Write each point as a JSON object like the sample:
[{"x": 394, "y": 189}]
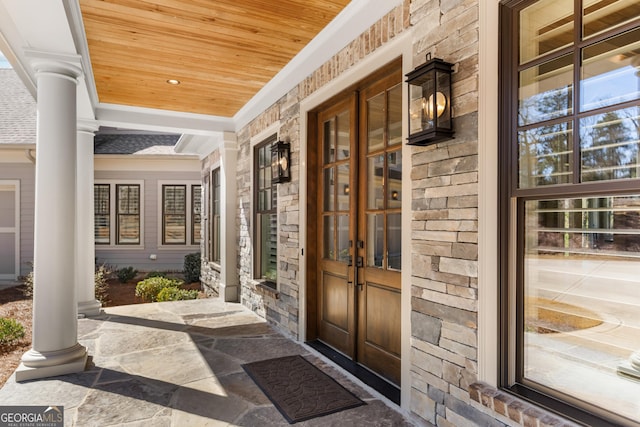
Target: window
[
  {"x": 570, "y": 206},
  {"x": 118, "y": 211},
  {"x": 196, "y": 209},
  {"x": 266, "y": 221},
  {"x": 128, "y": 214},
  {"x": 174, "y": 214},
  {"x": 181, "y": 213},
  {"x": 102, "y": 208},
  {"x": 215, "y": 215}
]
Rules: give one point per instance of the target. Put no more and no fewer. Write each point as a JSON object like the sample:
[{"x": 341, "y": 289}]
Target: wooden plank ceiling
[{"x": 222, "y": 51}]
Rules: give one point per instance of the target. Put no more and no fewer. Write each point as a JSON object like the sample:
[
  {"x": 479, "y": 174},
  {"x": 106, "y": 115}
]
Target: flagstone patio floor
[{"x": 179, "y": 364}]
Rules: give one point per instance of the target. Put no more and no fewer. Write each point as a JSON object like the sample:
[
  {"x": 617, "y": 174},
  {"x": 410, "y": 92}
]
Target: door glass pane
[
  {"x": 581, "y": 301},
  {"x": 329, "y": 142},
  {"x": 328, "y": 190},
  {"x": 394, "y": 241},
  {"x": 545, "y": 155},
  {"x": 545, "y": 27},
  {"x": 375, "y": 182},
  {"x": 344, "y": 191},
  {"x": 602, "y": 15},
  {"x": 329, "y": 244},
  {"x": 344, "y": 135},
  {"x": 608, "y": 76},
  {"x": 609, "y": 145},
  {"x": 343, "y": 238},
  {"x": 394, "y": 178},
  {"x": 546, "y": 91},
  {"x": 395, "y": 115},
  {"x": 375, "y": 240},
  {"x": 375, "y": 123}
]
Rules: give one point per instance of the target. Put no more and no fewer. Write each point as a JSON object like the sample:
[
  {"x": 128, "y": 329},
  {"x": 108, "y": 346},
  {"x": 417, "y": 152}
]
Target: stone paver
[{"x": 179, "y": 364}]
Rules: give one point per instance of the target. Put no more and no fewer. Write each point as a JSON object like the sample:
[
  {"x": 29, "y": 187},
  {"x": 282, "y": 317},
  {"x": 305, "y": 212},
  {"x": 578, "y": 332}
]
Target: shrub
[
  {"x": 10, "y": 331},
  {"x": 27, "y": 281},
  {"x": 155, "y": 274},
  {"x": 103, "y": 272},
  {"x": 192, "y": 267},
  {"x": 148, "y": 289},
  {"x": 176, "y": 294},
  {"x": 126, "y": 273},
  {"x": 100, "y": 280}
]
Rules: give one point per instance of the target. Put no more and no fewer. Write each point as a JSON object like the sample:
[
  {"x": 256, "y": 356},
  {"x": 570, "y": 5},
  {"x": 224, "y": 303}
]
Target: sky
[{"x": 3, "y": 62}]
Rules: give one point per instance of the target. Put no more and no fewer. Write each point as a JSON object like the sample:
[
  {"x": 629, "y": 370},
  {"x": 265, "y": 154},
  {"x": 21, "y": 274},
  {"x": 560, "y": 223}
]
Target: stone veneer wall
[
  {"x": 281, "y": 307},
  {"x": 444, "y": 235}
]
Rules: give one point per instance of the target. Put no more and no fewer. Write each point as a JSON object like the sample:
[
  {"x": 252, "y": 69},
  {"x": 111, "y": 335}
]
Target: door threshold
[{"x": 382, "y": 386}]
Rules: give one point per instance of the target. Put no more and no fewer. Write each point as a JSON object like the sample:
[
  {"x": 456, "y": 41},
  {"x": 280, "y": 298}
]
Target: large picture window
[
  {"x": 570, "y": 206},
  {"x": 266, "y": 222}
]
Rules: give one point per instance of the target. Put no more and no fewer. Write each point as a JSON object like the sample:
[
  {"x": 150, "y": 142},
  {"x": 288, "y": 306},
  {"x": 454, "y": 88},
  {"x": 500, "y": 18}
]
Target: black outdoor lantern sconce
[
  {"x": 430, "y": 102},
  {"x": 281, "y": 162}
]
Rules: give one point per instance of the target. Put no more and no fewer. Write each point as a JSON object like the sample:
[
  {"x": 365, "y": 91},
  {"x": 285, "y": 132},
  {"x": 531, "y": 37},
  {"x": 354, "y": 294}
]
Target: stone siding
[{"x": 444, "y": 176}]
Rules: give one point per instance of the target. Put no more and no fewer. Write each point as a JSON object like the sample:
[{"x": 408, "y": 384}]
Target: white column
[
  {"x": 88, "y": 305},
  {"x": 55, "y": 349},
  {"x": 228, "y": 230}
]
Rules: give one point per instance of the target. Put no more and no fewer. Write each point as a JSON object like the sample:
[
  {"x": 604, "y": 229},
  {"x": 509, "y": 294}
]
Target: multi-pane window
[
  {"x": 266, "y": 232},
  {"x": 196, "y": 212},
  {"x": 181, "y": 210},
  {"x": 215, "y": 215},
  {"x": 174, "y": 214},
  {"x": 127, "y": 214},
  {"x": 102, "y": 208},
  {"x": 570, "y": 203}
]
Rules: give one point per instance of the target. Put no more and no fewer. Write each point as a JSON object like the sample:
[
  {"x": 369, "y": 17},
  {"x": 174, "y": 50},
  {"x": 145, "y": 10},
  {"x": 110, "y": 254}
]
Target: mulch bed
[{"x": 15, "y": 305}]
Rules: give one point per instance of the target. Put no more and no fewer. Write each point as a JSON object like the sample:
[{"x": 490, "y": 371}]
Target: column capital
[
  {"x": 229, "y": 141},
  {"x": 62, "y": 64},
  {"x": 88, "y": 126}
]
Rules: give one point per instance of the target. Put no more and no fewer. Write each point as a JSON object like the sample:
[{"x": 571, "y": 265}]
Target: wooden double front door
[{"x": 358, "y": 249}]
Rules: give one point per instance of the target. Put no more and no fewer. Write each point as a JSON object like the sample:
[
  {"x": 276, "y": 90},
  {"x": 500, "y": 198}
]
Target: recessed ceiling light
[{"x": 173, "y": 82}]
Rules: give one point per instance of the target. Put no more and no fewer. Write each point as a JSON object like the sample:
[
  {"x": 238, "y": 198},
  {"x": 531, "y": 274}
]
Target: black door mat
[{"x": 298, "y": 389}]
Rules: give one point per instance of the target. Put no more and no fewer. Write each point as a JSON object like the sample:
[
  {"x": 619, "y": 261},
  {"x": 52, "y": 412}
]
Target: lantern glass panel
[{"x": 443, "y": 95}]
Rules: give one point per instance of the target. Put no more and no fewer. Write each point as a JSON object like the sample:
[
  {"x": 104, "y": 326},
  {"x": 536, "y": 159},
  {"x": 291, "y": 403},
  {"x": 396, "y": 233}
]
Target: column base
[
  {"x": 37, "y": 364},
  {"x": 89, "y": 308},
  {"x": 228, "y": 293},
  {"x": 632, "y": 366}
]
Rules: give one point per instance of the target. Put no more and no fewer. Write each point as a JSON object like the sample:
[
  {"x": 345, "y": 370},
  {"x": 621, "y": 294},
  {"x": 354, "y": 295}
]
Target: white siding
[
  {"x": 139, "y": 257},
  {"x": 25, "y": 173}
]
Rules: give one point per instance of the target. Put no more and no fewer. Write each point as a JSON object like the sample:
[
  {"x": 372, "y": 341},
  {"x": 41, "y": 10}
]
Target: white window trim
[
  {"x": 113, "y": 213},
  {"x": 488, "y": 309},
  {"x": 189, "y": 184},
  {"x": 255, "y": 140}
]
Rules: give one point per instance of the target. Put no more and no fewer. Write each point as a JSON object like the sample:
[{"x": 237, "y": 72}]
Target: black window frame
[
  {"x": 196, "y": 214},
  {"x": 128, "y": 212},
  {"x": 512, "y": 199},
  {"x": 215, "y": 223},
  {"x": 262, "y": 191},
  {"x": 174, "y": 213},
  {"x": 102, "y": 208}
]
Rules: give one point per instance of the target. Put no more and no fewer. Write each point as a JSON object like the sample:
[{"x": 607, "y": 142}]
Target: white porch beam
[{"x": 55, "y": 348}]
